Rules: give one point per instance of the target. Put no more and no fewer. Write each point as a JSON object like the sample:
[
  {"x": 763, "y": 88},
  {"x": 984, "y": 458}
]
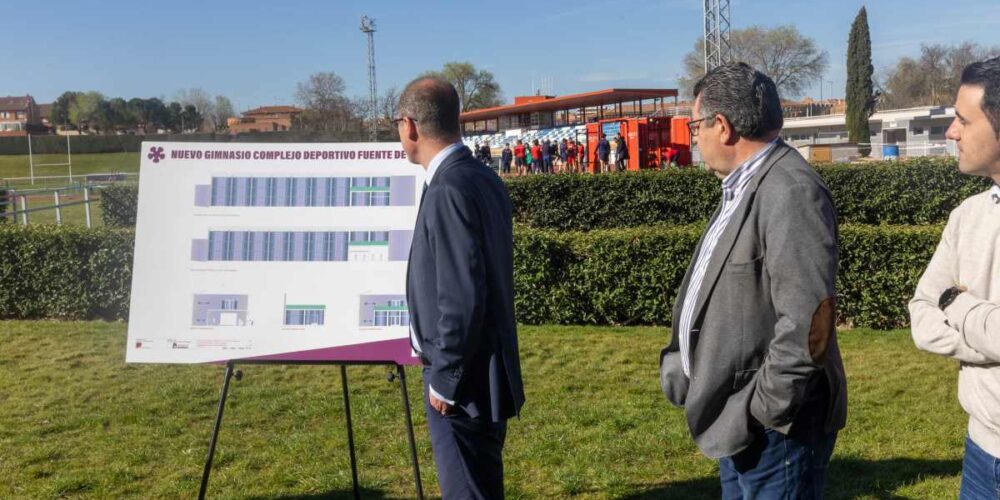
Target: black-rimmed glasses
[{"x": 694, "y": 127}]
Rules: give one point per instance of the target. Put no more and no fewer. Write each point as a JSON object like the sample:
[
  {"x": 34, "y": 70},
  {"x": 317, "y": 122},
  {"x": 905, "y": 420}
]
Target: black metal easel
[{"x": 400, "y": 372}]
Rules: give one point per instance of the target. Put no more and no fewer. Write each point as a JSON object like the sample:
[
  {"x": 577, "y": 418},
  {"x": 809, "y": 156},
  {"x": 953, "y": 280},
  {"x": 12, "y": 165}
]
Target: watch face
[{"x": 948, "y": 297}]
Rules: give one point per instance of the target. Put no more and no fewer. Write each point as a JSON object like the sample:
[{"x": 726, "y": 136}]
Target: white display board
[{"x": 272, "y": 251}]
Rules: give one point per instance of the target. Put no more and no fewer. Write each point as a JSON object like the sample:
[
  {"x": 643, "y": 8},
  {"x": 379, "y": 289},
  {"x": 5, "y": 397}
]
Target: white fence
[{"x": 16, "y": 201}]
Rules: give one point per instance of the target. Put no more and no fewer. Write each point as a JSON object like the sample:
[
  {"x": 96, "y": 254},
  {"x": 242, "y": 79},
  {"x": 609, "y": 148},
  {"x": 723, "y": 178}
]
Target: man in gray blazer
[{"x": 754, "y": 359}]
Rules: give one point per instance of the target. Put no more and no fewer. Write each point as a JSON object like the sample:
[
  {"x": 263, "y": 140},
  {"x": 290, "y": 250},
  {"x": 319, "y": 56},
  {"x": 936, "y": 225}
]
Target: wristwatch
[{"x": 948, "y": 297}]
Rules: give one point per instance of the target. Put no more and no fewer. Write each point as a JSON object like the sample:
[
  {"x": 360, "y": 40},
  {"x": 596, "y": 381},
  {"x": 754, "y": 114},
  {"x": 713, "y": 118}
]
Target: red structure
[
  {"x": 653, "y": 134},
  {"x": 653, "y": 142}
]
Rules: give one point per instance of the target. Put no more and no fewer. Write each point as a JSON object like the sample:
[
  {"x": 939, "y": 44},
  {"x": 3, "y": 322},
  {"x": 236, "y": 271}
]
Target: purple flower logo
[{"x": 156, "y": 154}]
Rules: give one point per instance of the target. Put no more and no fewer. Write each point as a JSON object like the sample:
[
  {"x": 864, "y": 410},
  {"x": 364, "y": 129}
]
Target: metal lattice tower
[
  {"x": 368, "y": 28},
  {"x": 718, "y": 50}
]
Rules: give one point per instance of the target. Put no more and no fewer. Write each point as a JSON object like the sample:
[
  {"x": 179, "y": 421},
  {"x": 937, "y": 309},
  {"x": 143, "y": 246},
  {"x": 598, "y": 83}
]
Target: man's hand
[{"x": 440, "y": 406}]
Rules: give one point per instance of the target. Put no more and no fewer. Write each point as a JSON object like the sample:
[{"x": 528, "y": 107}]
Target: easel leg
[
  {"x": 350, "y": 431},
  {"x": 409, "y": 430},
  {"x": 215, "y": 431}
]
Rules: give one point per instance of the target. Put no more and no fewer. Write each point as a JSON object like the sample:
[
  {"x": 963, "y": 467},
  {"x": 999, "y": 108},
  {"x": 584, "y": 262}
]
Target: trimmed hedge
[
  {"x": 631, "y": 276},
  {"x": 879, "y": 270},
  {"x": 619, "y": 277},
  {"x": 4, "y": 202},
  {"x": 582, "y": 202},
  {"x": 64, "y": 272},
  {"x": 119, "y": 204},
  {"x": 918, "y": 191},
  {"x": 921, "y": 191}
]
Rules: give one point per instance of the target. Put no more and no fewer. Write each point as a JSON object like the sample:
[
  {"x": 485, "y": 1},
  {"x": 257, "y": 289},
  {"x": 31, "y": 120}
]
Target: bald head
[{"x": 433, "y": 104}]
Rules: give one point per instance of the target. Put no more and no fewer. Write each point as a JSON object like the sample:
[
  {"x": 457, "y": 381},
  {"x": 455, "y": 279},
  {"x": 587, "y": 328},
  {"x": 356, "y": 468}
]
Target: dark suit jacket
[
  {"x": 763, "y": 343},
  {"x": 621, "y": 149},
  {"x": 460, "y": 289}
]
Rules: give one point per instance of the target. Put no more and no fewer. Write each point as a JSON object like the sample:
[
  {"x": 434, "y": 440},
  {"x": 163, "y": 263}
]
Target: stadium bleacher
[{"x": 496, "y": 141}]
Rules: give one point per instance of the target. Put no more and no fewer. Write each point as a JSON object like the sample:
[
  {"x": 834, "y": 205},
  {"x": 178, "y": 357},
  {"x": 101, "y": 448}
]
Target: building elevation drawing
[
  {"x": 300, "y": 246},
  {"x": 220, "y": 310},
  {"x": 304, "y": 315},
  {"x": 396, "y": 191},
  {"x": 384, "y": 310}
]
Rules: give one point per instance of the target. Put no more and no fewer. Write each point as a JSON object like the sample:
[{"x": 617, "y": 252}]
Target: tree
[
  {"x": 389, "y": 103},
  {"x": 191, "y": 119},
  {"x": 934, "y": 77},
  {"x": 860, "y": 92},
  {"x": 222, "y": 110},
  {"x": 174, "y": 118},
  {"x": 325, "y": 107},
  {"x": 793, "y": 61},
  {"x": 59, "y": 114},
  {"x": 477, "y": 89},
  {"x": 85, "y": 108},
  {"x": 137, "y": 107},
  {"x": 202, "y": 103},
  {"x": 149, "y": 114},
  {"x": 116, "y": 115}
]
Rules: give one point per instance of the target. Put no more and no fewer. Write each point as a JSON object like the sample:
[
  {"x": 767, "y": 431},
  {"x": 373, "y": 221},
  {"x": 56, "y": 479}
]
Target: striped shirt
[{"x": 733, "y": 187}]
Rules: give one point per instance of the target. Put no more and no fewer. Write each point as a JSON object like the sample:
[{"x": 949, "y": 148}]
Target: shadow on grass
[
  {"x": 852, "y": 477},
  {"x": 329, "y": 495},
  {"x": 848, "y": 478},
  {"x": 693, "y": 489}
]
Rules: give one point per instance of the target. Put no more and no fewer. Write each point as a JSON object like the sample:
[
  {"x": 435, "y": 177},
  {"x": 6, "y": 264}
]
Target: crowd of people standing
[
  {"x": 561, "y": 156},
  {"x": 537, "y": 156}
]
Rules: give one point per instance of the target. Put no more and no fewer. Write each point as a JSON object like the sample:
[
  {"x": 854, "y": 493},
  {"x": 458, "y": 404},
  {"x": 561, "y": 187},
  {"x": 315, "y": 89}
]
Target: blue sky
[{"x": 255, "y": 52}]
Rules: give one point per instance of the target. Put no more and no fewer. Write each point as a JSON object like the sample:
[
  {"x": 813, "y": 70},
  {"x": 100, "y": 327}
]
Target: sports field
[{"x": 77, "y": 422}]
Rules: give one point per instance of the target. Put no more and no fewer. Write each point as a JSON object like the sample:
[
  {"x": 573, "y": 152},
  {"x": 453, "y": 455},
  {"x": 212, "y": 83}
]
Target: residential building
[
  {"x": 265, "y": 119},
  {"x": 18, "y": 115}
]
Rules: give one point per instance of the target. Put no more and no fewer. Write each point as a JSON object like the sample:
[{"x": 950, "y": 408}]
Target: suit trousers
[{"x": 468, "y": 453}]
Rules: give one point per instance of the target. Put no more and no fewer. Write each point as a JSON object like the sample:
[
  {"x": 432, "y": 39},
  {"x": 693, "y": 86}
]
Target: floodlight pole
[
  {"x": 718, "y": 49},
  {"x": 368, "y": 28}
]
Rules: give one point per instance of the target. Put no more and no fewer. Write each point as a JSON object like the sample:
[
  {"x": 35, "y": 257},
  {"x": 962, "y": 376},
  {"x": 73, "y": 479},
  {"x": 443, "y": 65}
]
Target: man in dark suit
[
  {"x": 505, "y": 158},
  {"x": 754, "y": 359},
  {"x": 621, "y": 154},
  {"x": 460, "y": 292}
]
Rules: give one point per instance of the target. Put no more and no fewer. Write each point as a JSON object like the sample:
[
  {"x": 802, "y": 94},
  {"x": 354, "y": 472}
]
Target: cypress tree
[{"x": 860, "y": 98}]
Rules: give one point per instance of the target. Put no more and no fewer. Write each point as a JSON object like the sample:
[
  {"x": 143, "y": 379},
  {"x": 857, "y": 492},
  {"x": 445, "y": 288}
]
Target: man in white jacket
[{"x": 955, "y": 311}]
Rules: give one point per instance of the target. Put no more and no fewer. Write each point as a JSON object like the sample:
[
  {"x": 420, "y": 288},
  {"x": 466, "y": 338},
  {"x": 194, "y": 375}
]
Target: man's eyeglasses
[{"x": 694, "y": 125}]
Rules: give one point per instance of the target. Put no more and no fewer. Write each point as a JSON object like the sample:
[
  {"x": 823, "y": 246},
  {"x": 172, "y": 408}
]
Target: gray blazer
[{"x": 763, "y": 329}]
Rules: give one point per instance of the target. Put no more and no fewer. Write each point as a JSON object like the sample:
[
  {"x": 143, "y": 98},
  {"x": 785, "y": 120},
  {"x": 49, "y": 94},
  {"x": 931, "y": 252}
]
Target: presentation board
[{"x": 294, "y": 252}]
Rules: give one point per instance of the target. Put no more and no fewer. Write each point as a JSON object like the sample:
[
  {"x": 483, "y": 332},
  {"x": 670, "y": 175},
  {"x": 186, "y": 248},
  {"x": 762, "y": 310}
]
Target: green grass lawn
[
  {"x": 76, "y": 421},
  {"x": 17, "y": 166},
  {"x": 14, "y": 166}
]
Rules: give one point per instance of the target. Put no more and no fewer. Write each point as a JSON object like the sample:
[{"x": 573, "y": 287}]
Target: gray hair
[
  {"x": 746, "y": 97},
  {"x": 433, "y": 103}
]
